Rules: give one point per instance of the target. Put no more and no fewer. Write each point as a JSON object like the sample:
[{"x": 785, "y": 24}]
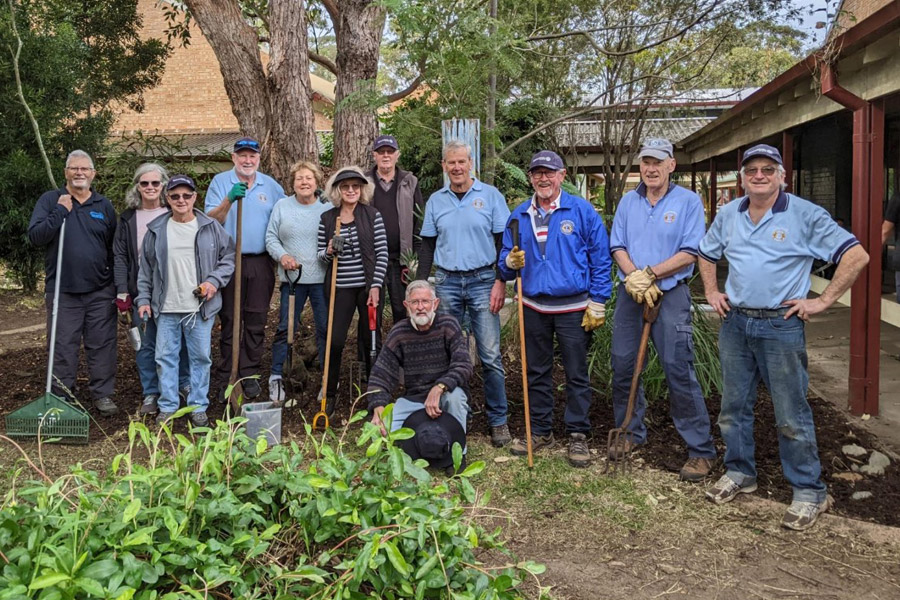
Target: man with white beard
[{"x": 432, "y": 352}]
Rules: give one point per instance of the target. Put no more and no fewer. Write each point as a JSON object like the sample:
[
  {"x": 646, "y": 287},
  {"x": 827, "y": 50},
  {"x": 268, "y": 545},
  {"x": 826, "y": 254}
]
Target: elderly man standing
[
  {"x": 461, "y": 235},
  {"x": 86, "y": 310},
  {"x": 770, "y": 239},
  {"x": 655, "y": 235},
  {"x": 259, "y": 193},
  {"x": 565, "y": 265}
]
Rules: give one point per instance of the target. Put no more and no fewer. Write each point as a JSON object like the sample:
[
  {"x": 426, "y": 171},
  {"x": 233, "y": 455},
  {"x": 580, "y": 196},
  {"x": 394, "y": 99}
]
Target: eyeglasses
[
  {"x": 186, "y": 196},
  {"x": 80, "y": 169},
  {"x": 344, "y": 187},
  {"x": 536, "y": 175},
  {"x": 767, "y": 171},
  {"x": 149, "y": 183},
  {"x": 420, "y": 302}
]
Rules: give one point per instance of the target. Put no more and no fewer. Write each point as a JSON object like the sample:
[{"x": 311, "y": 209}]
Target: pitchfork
[{"x": 621, "y": 439}]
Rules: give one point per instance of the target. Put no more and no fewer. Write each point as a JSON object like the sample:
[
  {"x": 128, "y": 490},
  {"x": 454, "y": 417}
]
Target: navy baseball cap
[
  {"x": 546, "y": 159},
  {"x": 385, "y": 141},
  {"x": 762, "y": 151},
  {"x": 177, "y": 180},
  {"x": 246, "y": 143},
  {"x": 658, "y": 148}
]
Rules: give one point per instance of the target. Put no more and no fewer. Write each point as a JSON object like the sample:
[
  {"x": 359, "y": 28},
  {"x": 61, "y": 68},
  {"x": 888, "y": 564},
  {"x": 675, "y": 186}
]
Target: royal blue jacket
[{"x": 575, "y": 263}]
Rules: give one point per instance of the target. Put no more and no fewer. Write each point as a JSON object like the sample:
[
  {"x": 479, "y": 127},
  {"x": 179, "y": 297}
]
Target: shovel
[
  {"x": 514, "y": 231},
  {"x": 237, "y": 391},
  {"x": 620, "y": 436},
  {"x": 334, "y": 266},
  {"x": 289, "y": 363}
]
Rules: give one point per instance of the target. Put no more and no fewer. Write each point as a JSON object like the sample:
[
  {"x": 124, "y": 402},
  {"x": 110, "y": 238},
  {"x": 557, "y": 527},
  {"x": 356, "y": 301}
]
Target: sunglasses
[
  {"x": 149, "y": 183},
  {"x": 767, "y": 171},
  {"x": 186, "y": 196}
]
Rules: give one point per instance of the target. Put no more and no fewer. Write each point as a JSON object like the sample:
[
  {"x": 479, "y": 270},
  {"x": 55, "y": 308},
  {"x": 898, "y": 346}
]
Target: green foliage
[{"x": 216, "y": 514}]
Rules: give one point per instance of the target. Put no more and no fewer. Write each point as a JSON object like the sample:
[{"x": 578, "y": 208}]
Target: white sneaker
[{"x": 276, "y": 390}]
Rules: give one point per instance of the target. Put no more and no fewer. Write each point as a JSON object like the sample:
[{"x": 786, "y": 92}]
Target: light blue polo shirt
[
  {"x": 652, "y": 234},
  {"x": 770, "y": 262},
  {"x": 465, "y": 228},
  {"x": 258, "y": 205}
]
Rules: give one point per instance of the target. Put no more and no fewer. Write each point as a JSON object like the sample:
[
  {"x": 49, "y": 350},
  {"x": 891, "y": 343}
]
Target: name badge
[{"x": 97, "y": 215}]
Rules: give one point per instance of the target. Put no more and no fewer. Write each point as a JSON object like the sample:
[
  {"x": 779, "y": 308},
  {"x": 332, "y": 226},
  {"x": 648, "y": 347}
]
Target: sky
[{"x": 811, "y": 12}]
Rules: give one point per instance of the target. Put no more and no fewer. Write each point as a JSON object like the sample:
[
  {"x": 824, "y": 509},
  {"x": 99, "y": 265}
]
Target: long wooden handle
[
  {"x": 514, "y": 230},
  {"x": 334, "y": 268},
  {"x": 649, "y": 317},
  {"x": 237, "y": 390}
]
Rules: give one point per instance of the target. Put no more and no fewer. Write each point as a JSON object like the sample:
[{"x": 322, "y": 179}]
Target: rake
[{"x": 49, "y": 416}]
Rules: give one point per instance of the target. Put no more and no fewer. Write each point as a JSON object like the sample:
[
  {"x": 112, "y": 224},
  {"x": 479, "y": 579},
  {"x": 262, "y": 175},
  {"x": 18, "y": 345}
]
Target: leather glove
[
  {"x": 652, "y": 295},
  {"x": 123, "y": 302},
  {"x": 515, "y": 260},
  {"x": 594, "y": 316},
  {"x": 238, "y": 191},
  {"x": 637, "y": 282}
]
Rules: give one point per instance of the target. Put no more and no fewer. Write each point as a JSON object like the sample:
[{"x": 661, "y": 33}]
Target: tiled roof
[{"x": 589, "y": 134}]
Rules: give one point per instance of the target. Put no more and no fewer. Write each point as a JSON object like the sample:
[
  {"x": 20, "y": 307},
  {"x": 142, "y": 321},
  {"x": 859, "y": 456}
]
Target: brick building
[{"x": 190, "y": 102}]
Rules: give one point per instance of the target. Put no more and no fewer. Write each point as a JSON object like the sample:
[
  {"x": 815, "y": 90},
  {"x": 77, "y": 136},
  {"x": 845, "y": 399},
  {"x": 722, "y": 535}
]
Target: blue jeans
[
  {"x": 775, "y": 350},
  {"x": 316, "y": 294},
  {"x": 145, "y": 358},
  {"x": 470, "y": 295},
  {"x": 673, "y": 338},
  {"x": 173, "y": 332},
  {"x": 456, "y": 403},
  {"x": 573, "y": 343}
]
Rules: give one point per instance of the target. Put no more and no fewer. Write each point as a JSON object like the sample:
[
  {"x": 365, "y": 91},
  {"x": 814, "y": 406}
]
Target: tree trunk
[
  {"x": 276, "y": 108},
  {"x": 358, "y": 28}
]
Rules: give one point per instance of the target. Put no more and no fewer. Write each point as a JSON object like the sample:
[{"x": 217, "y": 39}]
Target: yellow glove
[
  {"x": 636, "y": 284},
  {"x": 594, "y": 316},
  {"x": 515, "y": 260},
  {"x": 652, "y": 295}
]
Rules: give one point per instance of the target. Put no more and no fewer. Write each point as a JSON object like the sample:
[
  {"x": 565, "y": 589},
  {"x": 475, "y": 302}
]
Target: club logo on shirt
[
  {"x": 779, "y": 235},
  {"x": 478, "y": 203},
  {"x": 669, "y": 217},
  {"x": 262, "y": 198},
  {"x": 97, "y": 215},
  {"x": 567, "y": 227}
]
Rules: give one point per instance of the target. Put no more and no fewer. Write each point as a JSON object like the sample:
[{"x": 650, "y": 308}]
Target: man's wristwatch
[{"x": 443, "y": 387}]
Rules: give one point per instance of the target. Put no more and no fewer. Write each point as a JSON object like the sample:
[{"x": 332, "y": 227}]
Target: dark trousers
[
  {"x": 394, "y": 286},
  {"x": 346, "y": 301},
  {"x": 257, "y": 284},
  {"x": 573, "y": 345},
  {"x": 88, "y": 318}
]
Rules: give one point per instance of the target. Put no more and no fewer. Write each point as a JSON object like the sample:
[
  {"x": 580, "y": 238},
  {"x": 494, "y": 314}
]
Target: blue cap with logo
[
  {"x": 383, "y": 141},
  {"x": 177, "y": 180},
  {"x": 658, "y": 148},
  {"x": 546, "y": 159},
  {"x": 762, "y": 151},
  {"x": 246, "y": 143}
]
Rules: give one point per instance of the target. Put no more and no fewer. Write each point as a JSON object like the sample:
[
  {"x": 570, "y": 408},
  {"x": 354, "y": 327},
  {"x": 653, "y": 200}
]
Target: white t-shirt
[
  {"x": 181, "y": 267},
  {"x": 143, "y": 218}
]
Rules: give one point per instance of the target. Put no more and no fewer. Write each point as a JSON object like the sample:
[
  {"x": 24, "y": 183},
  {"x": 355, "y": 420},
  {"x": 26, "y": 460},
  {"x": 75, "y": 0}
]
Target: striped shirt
[
  {"x": 350, "y": 271},
  {"x": 540, "y": 221}
]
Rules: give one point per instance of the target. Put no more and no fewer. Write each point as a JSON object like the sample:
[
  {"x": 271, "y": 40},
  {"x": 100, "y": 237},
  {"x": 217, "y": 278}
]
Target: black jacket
[{"x": 364, "y": 215}]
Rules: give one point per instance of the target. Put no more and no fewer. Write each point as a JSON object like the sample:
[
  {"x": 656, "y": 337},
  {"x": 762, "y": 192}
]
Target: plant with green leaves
[{"x": 214, "y": 513}]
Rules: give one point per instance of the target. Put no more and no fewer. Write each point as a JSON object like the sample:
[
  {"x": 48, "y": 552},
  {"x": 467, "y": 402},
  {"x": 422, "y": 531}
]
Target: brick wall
[
  {"x": 191, "y": 97},
  {"x": 852, "y": 12}
]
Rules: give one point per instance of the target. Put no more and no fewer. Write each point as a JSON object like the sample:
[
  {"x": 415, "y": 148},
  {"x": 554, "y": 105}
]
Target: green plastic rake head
[{"x": 49, "y": 417}]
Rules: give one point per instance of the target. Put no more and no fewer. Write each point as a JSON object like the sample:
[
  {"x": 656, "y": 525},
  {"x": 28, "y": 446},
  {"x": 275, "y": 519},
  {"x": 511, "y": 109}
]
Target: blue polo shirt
[
  {"x": 465, "y": 228},
  {"x": 258, "y": 205},
  {"x": 652, "y": 234},
  {"x": 770, "y": 262}
]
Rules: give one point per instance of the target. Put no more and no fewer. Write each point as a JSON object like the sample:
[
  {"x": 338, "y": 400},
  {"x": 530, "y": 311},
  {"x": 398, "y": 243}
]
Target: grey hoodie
[{"x": 215, "y": 262}]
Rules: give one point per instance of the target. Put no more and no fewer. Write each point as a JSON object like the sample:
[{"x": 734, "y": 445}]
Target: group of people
[{"x": 171, "y": 265}]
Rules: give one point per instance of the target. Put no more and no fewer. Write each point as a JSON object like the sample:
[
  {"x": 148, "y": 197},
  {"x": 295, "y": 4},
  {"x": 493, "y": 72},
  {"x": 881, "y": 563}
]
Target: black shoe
[
  {"x": 106, "y": 407},
  {"x": 251, "y": 388},
  {"x": 149, "y": 406},
  {"x": 199, "y": 419}
]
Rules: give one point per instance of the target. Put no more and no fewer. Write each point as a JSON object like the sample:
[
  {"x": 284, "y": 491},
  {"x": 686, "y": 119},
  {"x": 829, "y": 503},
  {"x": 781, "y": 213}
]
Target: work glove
[
  {"x": 123, "y": 302},
  {"x": 594, "y": 316},
  {"x": 637, "y": 282},
  {"x": 515, "y": 260},
  {"x": 652, "y": 295},
  {"x": 238, "y": 191}
]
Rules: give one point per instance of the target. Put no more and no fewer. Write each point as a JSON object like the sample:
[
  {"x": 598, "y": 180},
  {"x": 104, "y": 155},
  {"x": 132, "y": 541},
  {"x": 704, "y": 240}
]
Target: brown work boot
[
  {"x": 579, "y": 454},
  {"x": 538, "y": 442},
  {"x": 621, "y": 448},
  {"x": 500, "y": 435},
  {"x": 696, "y": 469}
]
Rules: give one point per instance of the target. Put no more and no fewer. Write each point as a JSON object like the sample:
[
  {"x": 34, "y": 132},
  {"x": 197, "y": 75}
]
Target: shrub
[{"x": 215, "y": 514}]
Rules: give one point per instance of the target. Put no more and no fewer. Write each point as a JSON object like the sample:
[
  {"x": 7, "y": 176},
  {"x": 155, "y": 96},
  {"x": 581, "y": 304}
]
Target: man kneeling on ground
[{"x": 431, "y": 351}]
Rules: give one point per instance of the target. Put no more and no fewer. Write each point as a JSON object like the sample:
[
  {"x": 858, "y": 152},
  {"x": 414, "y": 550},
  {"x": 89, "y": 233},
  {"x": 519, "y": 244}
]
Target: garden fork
[{"x": 621, "y": 439}]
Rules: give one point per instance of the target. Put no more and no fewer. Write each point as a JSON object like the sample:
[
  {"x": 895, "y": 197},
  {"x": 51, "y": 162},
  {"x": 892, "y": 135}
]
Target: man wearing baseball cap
[
  {"x": 563, "y": 255},
  {"x": 399, "y": 200},
  {"x": 655, "y": 235},
  {"x": 770, "y": 239},
  {"x": 259, "y": 193}
]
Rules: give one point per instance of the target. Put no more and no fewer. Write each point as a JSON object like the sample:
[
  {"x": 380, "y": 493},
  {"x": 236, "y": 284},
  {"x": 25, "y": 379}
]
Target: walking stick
[
  {"x": 514, "y": 229},
  {"x": 334, "y": 266},
  {"x": 620, "y": 436},
  {"x": 237, "y": 391}
]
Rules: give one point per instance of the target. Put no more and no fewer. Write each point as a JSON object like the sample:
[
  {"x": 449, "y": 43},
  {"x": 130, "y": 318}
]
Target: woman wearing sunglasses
[{"x": 145, "y": 201}]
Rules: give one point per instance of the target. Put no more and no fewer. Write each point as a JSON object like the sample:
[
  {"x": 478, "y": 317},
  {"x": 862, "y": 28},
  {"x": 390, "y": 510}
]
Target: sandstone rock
[
  {"x": 861, "y": 495},
  {"x": 854, "y": 450},
  {"x": 847, "y": 476}
]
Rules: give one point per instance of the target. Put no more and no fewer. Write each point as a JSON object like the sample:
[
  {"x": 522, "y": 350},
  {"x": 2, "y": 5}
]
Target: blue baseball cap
[
  {"x": 177, "y": 180},
  {"x": 658, "y": 148},
  {"x": 546, "y": 159},
  {"x": 385, "y": 141},
  {"x": 246, "y": 143},
  {"x": 762, "y": 151}
]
